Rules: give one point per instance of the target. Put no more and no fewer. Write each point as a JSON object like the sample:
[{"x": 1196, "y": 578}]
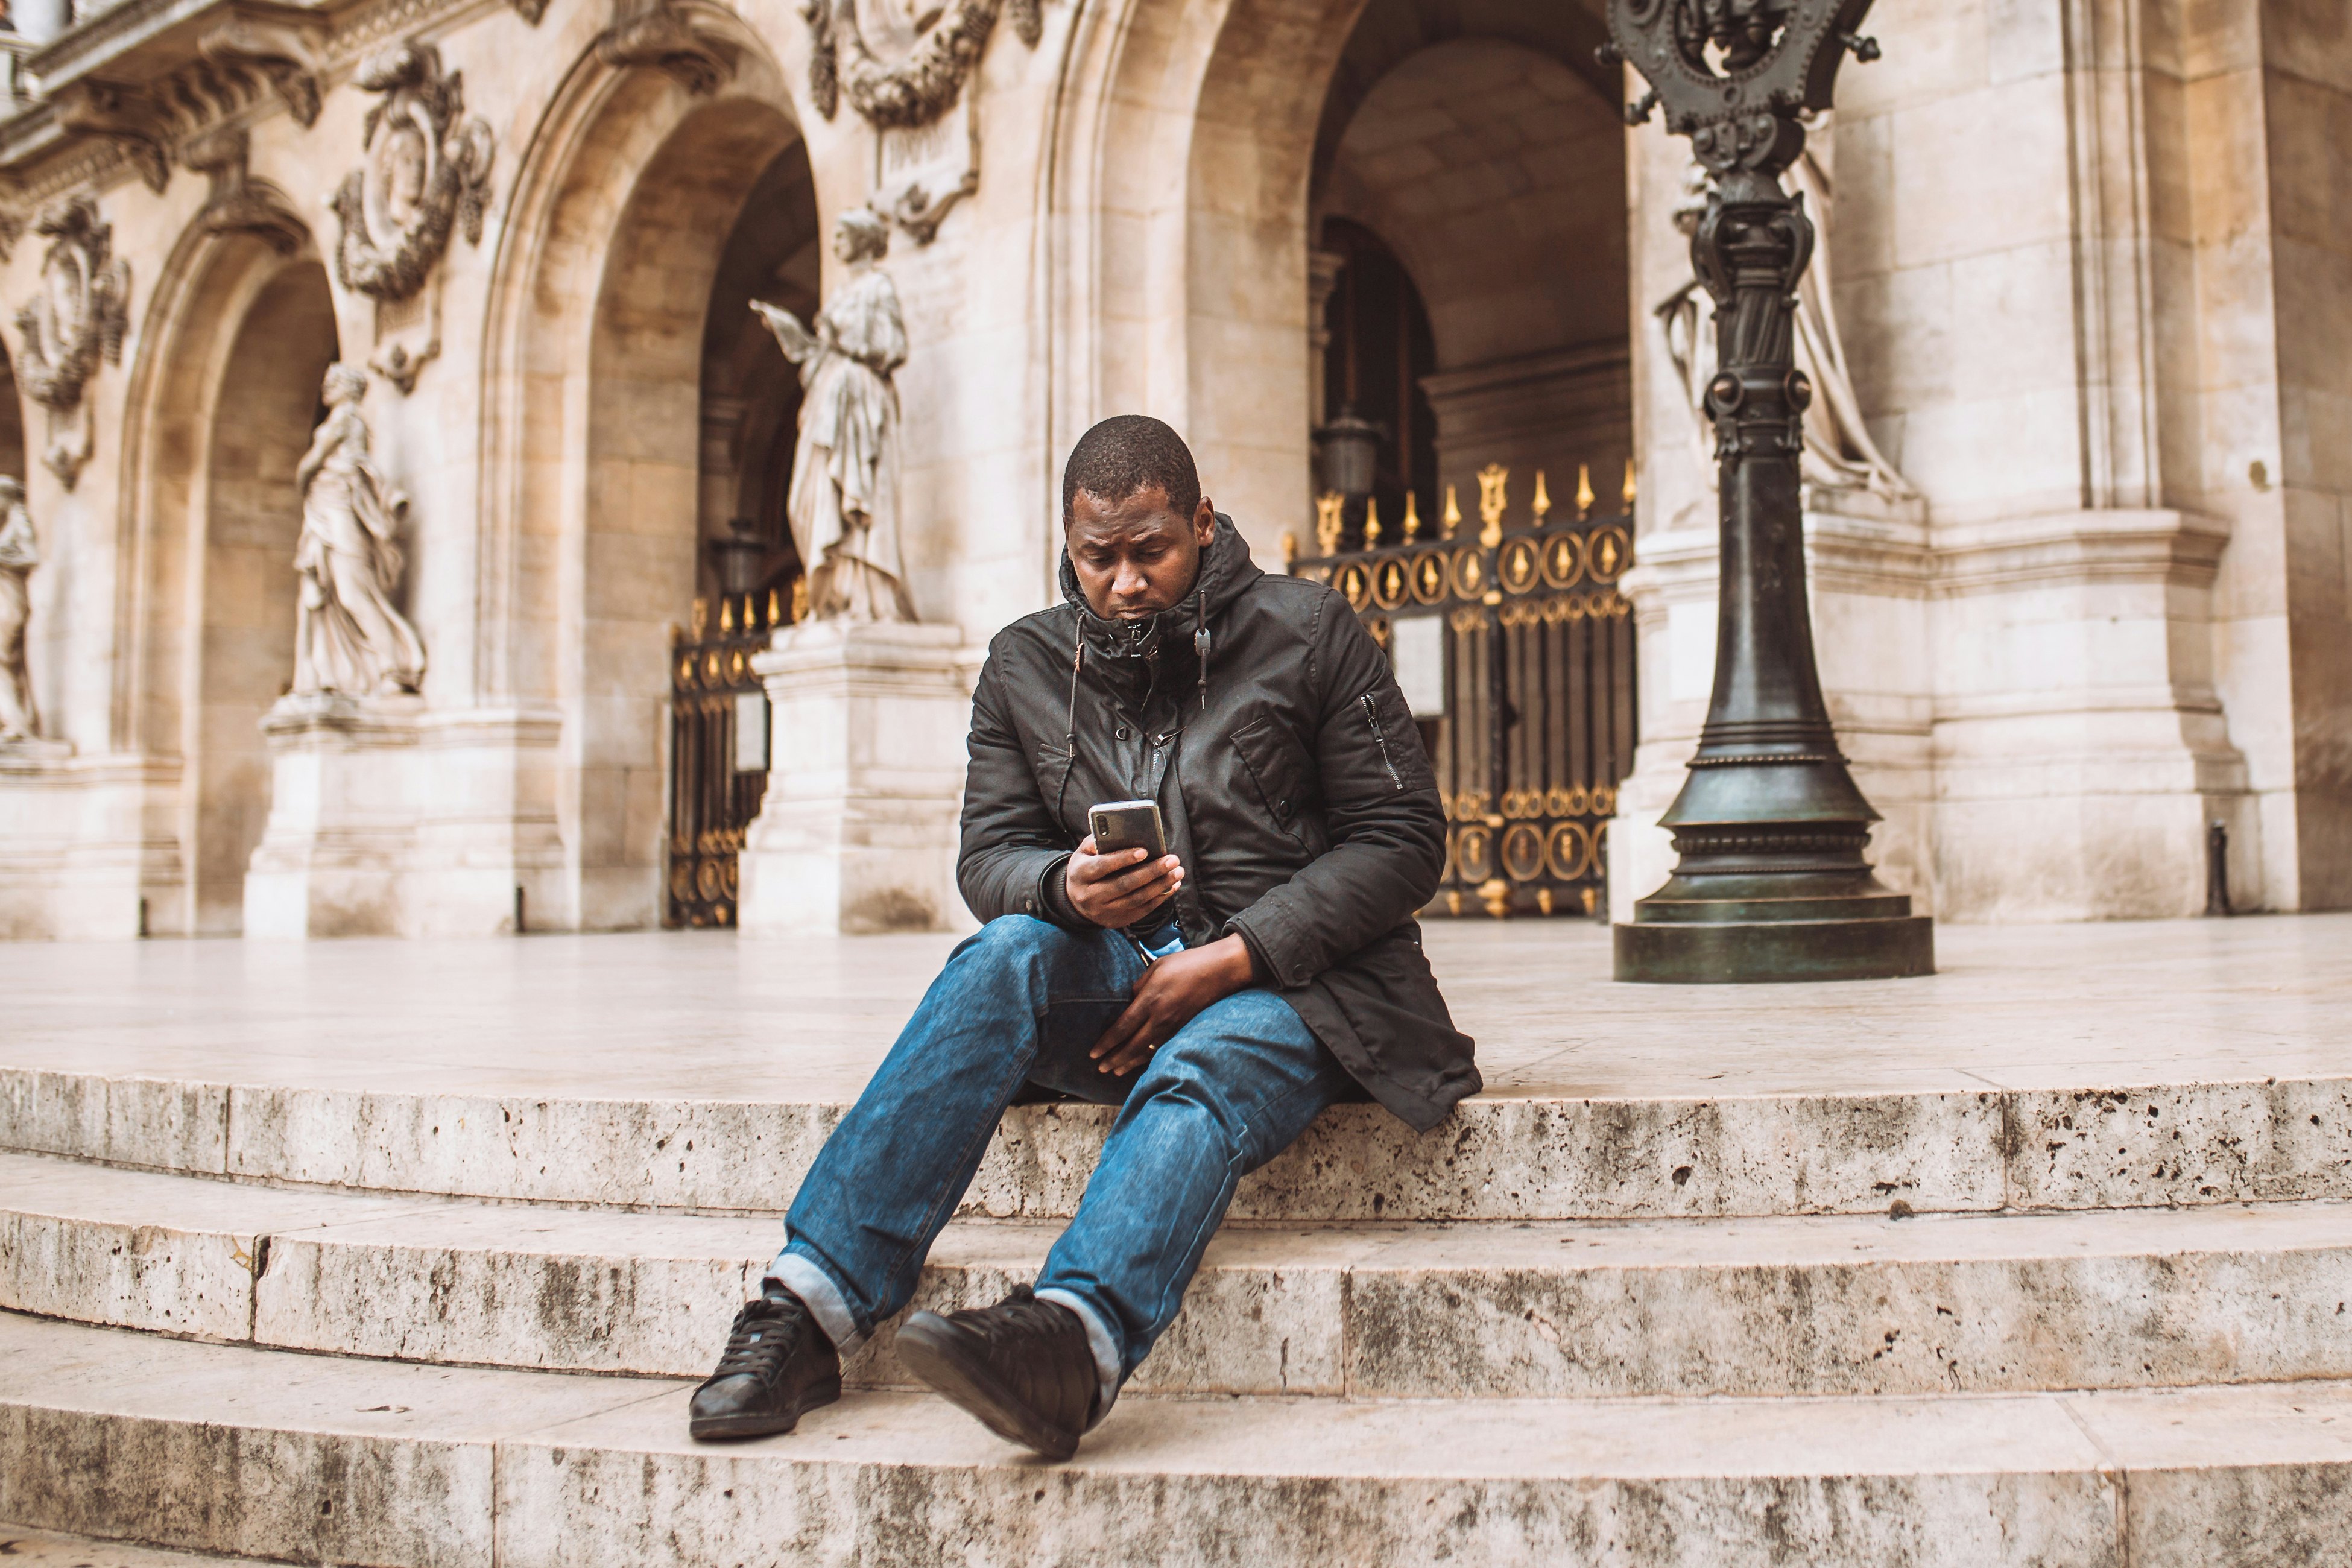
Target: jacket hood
[
  {"x": 1225, "y": 570},
  {"x": 1129, "y": 653}
]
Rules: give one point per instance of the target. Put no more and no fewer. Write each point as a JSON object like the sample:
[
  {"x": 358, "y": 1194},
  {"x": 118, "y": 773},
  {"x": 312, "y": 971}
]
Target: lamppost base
[{"x": 1688, "y": 952}]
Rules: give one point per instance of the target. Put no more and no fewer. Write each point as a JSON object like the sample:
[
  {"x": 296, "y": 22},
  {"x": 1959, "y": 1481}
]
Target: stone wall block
[
  {"x": 2239, "y": 1516},
  {"x": 564, "y": 1505},
  {"x": 678, "y": 1154},
  {"x": 1899, "y": 1327},
  {"x": 321, "y": 1495},
  {"x": 170, "y": 1125},
  {"x": 2188, "y": 1144},
  {"x": 155, "y": 1278},
  {"x": 659, "y": 1316}
]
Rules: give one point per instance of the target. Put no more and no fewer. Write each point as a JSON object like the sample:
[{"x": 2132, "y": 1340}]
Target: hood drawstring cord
[
  {"x": 1200, "y": 642},
  {"x": 1070, "y": 735}
]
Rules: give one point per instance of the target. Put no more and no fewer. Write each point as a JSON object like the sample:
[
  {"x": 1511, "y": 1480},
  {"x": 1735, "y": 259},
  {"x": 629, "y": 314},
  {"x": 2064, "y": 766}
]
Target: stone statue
[
  {"x": 843, "y": 503},
  {"x": 1839, "y": 453},
  {"x": 20, "y": 551},
  {"x": 348, "y": 638}
]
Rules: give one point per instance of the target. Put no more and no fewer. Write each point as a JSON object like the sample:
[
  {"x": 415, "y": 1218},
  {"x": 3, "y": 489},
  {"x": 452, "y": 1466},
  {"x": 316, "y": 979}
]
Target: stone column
[
  {"x": 858, "y": 833},
  {"x": 342, "y": 818}
]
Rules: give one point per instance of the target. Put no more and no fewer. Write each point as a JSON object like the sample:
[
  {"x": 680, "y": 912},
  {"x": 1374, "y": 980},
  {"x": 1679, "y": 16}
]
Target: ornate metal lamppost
[{"x": 1770, "y": 881}]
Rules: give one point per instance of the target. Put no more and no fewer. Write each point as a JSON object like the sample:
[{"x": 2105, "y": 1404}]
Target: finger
[
  {"x": 1128, "y": 1060},
  {"x": 1142, "y": 879},
  {"x": 1130, "y": 870},
  {"x": 1132, "y": 1021}
]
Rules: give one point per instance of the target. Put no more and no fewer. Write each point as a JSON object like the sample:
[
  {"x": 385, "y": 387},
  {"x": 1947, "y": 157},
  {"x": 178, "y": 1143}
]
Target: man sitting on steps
[{"x": 1221, "y": 996}]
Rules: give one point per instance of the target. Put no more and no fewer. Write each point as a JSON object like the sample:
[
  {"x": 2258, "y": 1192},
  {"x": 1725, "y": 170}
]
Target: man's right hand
[{"x": 1120, "y": 888}]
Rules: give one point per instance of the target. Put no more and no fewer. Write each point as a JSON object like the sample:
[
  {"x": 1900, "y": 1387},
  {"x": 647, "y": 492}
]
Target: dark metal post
[
  {"x": 1770, "y": 881},
  {"x": 2217, "y": 869}
]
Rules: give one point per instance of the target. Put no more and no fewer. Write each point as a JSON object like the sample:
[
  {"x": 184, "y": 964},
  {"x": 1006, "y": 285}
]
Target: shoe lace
[
  {"x": 765, "y": 1333},
  {"x": 1019, "y": 1316}
]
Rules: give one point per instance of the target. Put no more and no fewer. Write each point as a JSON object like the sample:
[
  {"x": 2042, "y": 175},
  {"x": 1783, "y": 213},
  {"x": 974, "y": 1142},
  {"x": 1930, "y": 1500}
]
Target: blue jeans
[{"x": 1021, "y": 1002}]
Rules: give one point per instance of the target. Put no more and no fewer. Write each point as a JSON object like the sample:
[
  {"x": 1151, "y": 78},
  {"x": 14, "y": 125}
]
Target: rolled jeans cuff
[
  {"x": 1098, "y": 1340},
  {"x": 820, "y": 1296}
]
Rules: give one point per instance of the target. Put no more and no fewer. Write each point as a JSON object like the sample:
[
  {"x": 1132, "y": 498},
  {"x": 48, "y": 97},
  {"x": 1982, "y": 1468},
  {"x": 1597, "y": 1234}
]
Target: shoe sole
[
  {"x": 934, "y": 1356},
  {"x": 721, "y": 1427}
]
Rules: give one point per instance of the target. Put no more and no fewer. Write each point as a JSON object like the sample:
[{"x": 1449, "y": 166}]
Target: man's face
[{"x": 1135, "y": 557}]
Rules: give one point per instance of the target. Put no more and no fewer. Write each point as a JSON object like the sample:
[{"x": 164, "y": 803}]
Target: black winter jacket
[{"x": 1266, "y": 722}]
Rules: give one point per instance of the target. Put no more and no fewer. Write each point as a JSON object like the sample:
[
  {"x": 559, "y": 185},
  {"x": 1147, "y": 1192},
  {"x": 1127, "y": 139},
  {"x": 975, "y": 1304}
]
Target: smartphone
[{"x": 1127, "y": 825}]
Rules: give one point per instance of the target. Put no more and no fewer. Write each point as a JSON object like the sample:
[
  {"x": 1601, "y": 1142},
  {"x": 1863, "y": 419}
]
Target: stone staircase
[{"x": 2043, "y": 1327}]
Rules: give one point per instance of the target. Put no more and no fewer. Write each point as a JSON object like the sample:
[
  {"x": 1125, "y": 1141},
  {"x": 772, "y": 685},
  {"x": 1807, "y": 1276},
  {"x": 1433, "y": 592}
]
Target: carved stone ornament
[
  {"x": 124, "y": 116},
  {"x": 78, "y": 318},
  {"x": 427, "y": 171},
  {"x": 665, "y": 38},
  {"x": 240, "y": 203},
  {"x": 898, "y": 68},
  {"x": 280, "y": 53}
]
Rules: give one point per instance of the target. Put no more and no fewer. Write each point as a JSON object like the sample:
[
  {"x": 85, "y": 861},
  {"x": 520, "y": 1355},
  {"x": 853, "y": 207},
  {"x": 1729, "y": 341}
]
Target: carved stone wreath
[
  {"x": 918, "y": 89},
  {"x": 82, "y": 311},
  {"x": 427, "y": 172}
]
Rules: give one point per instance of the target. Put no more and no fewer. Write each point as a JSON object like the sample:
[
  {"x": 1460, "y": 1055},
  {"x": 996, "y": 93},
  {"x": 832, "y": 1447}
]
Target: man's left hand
[{"x": 1172, "y": 991}]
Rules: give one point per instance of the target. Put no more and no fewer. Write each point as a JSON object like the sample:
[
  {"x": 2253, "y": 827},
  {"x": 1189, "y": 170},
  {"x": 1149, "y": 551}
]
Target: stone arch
[
  {"x": 1496, "y": 175},
  {"x": 593, "y": 368},
  {"x": 1186, "y": 150},
  {"x": 222, "y": 405}
]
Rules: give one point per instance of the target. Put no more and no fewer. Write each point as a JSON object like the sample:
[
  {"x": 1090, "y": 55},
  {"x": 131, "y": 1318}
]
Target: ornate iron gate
[
  {"x": 1516, "y": 652},
  {"x": 719, "y": 755}
]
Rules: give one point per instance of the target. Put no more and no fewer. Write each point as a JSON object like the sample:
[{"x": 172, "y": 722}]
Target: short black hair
[{"x": 1127, "y": 453}]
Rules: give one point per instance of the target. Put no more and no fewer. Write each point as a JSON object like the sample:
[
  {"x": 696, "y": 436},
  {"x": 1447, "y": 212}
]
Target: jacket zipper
[{"x": 1380, "y": 739}]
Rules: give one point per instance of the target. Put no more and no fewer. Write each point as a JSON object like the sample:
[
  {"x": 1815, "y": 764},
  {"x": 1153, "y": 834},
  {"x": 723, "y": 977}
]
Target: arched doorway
[
  {"x": 629, "y": 407},
  {"x": 1493, "y": 175},
  {"x": 261, "y": 421},
  {"x": 222, "y": 403},
  {"x": 1469, "y": 158}
]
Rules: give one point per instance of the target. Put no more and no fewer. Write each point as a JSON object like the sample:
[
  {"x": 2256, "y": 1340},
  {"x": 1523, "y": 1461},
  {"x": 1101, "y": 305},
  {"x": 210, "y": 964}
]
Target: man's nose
[{"x": 1128, "y": 580}]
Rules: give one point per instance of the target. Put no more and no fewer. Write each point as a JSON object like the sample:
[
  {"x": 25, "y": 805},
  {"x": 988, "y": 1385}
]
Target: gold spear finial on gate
[
  {"x": 701, "y": 618},
  {"x": 1371, "y": 522},
  {"x": 1327, "y": 521},
  {"x": 1453, "y": 518},
  {"x": 775, "y": 610},
  {"x": 1412, "y": 518},
  {"x": 1542, "y": 504},
  {"x": 1629, "y": 484},
  {"x": 1494, "y": 495},
  {"x": 1289, "y": 549},
  {"x": 1583, "y": 491},
  {"x": 726, "y": 614}
]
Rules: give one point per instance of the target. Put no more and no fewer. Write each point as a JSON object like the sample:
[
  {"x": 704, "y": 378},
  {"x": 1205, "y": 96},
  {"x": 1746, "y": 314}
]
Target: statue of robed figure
[
  {"x": 843, "y": 500},
  {"x": 348, "y": 636},
  {"x": 20, "y": 551}
]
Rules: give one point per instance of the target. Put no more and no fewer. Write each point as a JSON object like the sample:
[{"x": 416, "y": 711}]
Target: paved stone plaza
[{"x": 1646, "y": 1301}]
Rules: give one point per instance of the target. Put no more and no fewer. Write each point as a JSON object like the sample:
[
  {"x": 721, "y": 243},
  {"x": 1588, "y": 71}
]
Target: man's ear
[{"x": 1204, "y": 522}]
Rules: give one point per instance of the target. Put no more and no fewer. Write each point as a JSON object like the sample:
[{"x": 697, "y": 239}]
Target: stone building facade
[{"x": 2085, "y": 256}]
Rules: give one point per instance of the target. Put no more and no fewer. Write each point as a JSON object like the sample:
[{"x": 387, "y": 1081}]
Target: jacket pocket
[
  {"x": 1270, "y": 757},
  {"x": 1403, "y": 764},
  {"x": 1052, "y": 766}
]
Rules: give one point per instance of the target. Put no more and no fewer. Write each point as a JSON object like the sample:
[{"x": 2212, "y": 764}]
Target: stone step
[
  {"x": 267, "y": 1453},
  {"x": 48, "y": 1549},
  {"x": 1825, "y": 1304},
  {"x": 1501, "y": 1157}
]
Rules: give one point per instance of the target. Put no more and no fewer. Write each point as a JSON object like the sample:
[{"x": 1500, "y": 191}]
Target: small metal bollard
[{"x": 2217, "y": 869}]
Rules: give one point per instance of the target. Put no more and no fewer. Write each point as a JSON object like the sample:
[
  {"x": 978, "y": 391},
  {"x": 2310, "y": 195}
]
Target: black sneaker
[
  {"x": 778, "y": 1367},
  {"x": 1023, "y": 1366}
]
